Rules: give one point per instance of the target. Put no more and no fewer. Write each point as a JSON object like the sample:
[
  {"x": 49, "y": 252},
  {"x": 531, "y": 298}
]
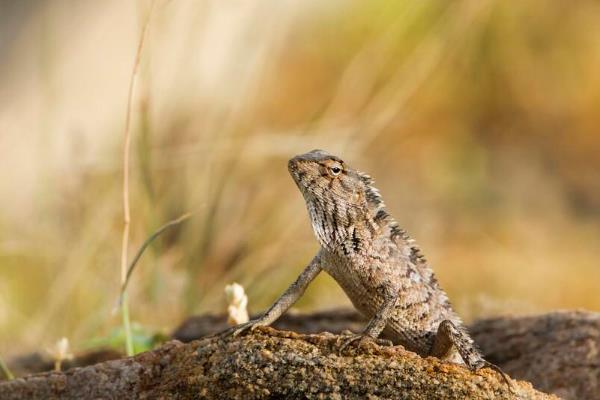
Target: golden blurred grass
[{"x": 477, "y": 118}]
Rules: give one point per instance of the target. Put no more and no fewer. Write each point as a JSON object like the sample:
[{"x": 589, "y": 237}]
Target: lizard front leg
[
  {"x": 287, "y": 299},
  {"x": 377, "y": 323}
]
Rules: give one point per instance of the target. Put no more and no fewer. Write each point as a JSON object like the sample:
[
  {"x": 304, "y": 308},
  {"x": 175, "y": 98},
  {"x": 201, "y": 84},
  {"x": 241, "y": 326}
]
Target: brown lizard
[{"x": 377, "y": 264}]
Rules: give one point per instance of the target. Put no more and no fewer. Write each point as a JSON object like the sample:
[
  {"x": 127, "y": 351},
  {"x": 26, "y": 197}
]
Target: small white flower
[
  {"x": 60, "y": 352},
  {"x": 237, "y": 304}
]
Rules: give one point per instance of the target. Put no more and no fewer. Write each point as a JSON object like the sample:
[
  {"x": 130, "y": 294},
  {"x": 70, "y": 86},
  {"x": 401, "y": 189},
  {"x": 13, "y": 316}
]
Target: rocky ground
[{"x": 556, "y": 352}]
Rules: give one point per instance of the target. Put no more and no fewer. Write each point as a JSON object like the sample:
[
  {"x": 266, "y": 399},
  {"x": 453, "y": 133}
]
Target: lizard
[{"x": 380, "y": 268}]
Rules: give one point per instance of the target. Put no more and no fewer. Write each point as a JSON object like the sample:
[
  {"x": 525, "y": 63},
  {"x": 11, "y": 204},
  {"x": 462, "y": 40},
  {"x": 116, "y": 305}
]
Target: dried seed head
[
  {"x": 60, "y": 352},
  {"x": 237, "y": 301}
]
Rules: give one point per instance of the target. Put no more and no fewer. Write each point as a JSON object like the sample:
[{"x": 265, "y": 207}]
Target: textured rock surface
[
  {"x": 558, "y": 352},
  {"x": 269, "y": 364}
]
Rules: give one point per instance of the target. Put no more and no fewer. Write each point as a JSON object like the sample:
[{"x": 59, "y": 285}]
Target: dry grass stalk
[{"x": 126, "y": 208}]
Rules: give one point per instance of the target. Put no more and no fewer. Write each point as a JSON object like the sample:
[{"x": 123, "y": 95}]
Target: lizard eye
[{"x": 335, "y": 170}]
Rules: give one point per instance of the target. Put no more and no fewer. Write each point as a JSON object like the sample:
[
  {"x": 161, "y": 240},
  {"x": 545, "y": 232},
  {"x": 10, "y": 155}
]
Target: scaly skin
[{"x": 376, "y": 263}]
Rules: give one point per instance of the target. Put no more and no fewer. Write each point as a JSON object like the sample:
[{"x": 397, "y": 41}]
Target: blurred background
[{"x": 478, "y": 119}]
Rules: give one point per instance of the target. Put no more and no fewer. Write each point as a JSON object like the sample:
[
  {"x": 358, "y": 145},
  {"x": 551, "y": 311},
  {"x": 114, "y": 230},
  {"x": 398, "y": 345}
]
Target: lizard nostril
[{"x": 292, "y": 165}]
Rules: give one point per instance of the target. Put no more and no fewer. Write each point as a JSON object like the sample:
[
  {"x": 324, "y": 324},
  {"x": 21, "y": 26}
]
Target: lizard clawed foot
[
  {"x": 242, "y": 328},
  {"x": 360, "y": 337}
]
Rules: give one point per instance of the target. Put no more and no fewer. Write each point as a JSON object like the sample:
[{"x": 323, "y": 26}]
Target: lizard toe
[
  {"x": 358, "y": 338},
  {"x": 347, "y": 340},
  {"x": 242, "y": 328},
  {"x": 384, "y": 342}
]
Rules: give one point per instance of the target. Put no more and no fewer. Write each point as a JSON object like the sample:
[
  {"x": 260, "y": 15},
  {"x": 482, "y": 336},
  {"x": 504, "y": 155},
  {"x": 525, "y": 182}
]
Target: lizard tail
[{"x": 504, "y": 375}]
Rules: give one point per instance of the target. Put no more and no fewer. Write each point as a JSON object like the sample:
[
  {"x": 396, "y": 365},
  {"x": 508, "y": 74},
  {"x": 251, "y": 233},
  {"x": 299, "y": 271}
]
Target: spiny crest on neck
[
  {"x": 374, "y": 200},
  {"x": 381, "y": 216}
]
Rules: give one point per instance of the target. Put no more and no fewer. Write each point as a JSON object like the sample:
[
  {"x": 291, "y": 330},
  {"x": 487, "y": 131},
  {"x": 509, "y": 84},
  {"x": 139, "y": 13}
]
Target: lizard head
[{"x": 337, "y": 196}]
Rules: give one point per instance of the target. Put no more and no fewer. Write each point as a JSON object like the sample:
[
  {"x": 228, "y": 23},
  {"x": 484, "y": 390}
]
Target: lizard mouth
[
  {"x": 293, "y": 165},
  {"x": 295, "y": 170}
]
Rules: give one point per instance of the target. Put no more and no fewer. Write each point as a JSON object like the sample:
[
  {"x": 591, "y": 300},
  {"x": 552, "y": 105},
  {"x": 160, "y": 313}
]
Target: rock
[
  {"x": 38, "y": 362},
  {"x": 558, "y": 352},
  {"x": 269, "y": 364},
  {"x": 334, "y": 321}
]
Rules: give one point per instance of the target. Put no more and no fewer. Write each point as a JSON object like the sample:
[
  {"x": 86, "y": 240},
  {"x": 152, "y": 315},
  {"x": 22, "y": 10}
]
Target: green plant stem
[
  {"x": 126, "y": 324},
  {"x": 143, "y": 247},
  {"x": 9, "y": 375}
]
